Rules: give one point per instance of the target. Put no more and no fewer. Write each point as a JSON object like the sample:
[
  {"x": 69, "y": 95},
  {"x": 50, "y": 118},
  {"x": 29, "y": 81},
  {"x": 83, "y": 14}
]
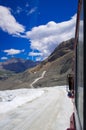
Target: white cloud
[
  {"x": 4, "y": 58},
  {"x": 38, "y": 58},
  {"x": 45, "y": 38},
  {"x": 13, "y": 51},
  {"x": 32, "y": 10},
  {"x": 8, "y": 23},
  {"x": 35, "y": 54}
]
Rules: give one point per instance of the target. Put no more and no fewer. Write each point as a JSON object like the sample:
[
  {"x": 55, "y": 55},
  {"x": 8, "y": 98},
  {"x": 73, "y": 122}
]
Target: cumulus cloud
[
  {"x": 13, "y": 51},
  {"x": 45, "y": 38},
  {"x": 35, "y": 54},
  {"x": 38, "y": 58},
  {"x": 4, "y": 58},
  {"x": 8, "y": 23}
]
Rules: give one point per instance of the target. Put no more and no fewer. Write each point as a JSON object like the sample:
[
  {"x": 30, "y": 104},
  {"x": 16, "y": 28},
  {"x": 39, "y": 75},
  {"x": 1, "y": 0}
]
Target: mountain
[
  {"x": 17, "y": 65},
  {"x": 5, "y": 74},
  {"x": 57, "y": 66}
]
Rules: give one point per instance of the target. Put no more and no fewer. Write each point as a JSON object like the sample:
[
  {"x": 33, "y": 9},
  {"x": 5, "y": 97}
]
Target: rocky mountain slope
[
  {"x": 57, "y": 66},
  {"x": 17, "y": 65},
  {"x": 5, "y": 74}
]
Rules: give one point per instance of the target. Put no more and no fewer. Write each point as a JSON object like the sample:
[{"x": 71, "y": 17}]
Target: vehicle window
[{"x": 80, "y": 70}]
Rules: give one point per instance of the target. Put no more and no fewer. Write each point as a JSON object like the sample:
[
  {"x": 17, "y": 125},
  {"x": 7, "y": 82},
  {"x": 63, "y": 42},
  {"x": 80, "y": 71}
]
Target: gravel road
[{"x": 42, "y": 76}]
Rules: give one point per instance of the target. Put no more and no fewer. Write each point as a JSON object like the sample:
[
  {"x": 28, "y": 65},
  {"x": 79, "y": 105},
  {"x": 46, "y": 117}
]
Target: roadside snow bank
[{"x": 10, "y": 99}]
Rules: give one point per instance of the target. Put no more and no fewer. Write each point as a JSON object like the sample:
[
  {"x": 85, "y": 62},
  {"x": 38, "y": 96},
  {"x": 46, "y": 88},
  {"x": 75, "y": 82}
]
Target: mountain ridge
[
  {"x": 17, "y": 64},
  {"x": 57, "y": 66}
]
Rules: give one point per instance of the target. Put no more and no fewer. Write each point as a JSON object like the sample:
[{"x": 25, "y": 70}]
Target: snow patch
[{"x": 10, "y": 99}]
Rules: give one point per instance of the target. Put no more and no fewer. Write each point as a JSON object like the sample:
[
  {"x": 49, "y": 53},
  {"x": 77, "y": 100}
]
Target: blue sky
[{"x": 31, "y": 29}]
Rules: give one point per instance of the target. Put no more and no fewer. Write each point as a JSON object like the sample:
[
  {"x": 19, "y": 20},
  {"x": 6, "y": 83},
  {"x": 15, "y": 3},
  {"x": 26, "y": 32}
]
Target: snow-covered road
[{"x": 51, "y": 111}]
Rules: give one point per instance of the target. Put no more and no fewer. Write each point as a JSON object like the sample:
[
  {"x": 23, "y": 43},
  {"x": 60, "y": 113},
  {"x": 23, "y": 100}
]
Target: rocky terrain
[
  {"x": 5, "y": 74},
  {"x": 57, "y": 66}
]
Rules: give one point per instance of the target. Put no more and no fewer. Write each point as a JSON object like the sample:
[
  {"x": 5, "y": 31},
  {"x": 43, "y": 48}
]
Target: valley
[{"x": 57, "y": 66}]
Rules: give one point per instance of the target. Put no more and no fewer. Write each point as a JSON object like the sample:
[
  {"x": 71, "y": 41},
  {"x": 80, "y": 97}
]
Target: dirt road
[
  {"x": 51, "y": 111},
  {"x": 42, "y": 76}
]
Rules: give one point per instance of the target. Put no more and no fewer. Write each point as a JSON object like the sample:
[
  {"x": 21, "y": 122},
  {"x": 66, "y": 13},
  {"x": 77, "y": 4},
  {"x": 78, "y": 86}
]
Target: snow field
[{"x": 10, "y": 99}]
